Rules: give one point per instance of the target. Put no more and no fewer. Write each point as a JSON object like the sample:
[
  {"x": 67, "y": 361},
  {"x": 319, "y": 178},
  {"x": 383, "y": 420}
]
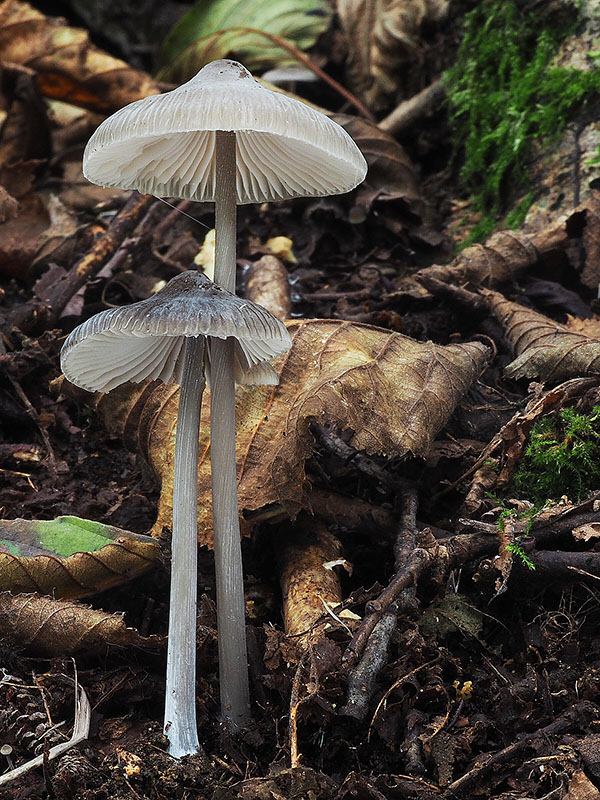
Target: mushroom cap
[
  {"x": 165, "y": 144},
  {"x": 145, "y": 339}
]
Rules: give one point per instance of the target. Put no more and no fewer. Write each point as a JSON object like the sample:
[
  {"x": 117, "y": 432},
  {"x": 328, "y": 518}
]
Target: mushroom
[
  {"x": 163, "y": 338},
  {"x": 223, "y": 137}
]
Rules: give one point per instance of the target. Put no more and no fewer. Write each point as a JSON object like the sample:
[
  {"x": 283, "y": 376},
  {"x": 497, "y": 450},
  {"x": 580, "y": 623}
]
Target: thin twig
[{"x": 81, "y": 729}]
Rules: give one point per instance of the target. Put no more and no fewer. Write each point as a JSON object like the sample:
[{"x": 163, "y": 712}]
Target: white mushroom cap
[
  {"x": 165, "y": 144},
  {"x": 145, "y": 339}
]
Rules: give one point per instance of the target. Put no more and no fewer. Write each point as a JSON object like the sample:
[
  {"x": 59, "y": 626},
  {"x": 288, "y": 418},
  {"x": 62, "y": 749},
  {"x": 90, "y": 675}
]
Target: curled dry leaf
[
  {"x": 49, "y": 627},
  {"x": 587, "y": 327},
  {"x": 394, "y": 394},
  {"x": 69, "y": 67},
  {"x": 544, "y": 348},
  {"x": 70, "y": 557},
  {"x": 391, "y": 173},
  {"x": 505, "y": 254},
  {"x": 382, "y": 36}
]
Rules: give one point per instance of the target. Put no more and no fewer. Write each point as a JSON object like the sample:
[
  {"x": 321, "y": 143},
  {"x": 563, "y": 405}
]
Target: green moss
[
  {"x": 503, "y": 93},
  {"x": 562, "y": 457}
]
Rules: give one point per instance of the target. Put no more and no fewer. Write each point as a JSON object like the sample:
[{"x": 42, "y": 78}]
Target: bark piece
[
  {"x": 268, "y": 285},
  {"x": 309, "y": 583}
]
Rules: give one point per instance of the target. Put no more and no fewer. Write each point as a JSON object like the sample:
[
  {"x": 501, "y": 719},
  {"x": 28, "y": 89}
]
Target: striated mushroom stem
[
  {"x": 180, "y": 700},
  {"x": 231, "y": 625}
]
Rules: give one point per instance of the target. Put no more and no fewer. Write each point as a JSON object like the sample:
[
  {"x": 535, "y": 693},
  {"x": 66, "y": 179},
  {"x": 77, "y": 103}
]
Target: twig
[
  {"x": 35, "y": 417},
  {"x": 581, "y": 713},
  {"x": 381, "y": 620},
  {"x": 395, "y": 685},
  {"x": 362, "y": 678},
  {"x": 336, "y": 446},
  {"x": 31, "y": 314},
  {"x": 410, "y": 111},
  {"x": 296, "y": 701}
]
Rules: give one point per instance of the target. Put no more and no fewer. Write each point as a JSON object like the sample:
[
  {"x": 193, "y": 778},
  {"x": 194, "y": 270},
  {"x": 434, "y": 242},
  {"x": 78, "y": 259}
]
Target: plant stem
[
  {"x": 180, "y": 702},
  {"x": 231, "y": 625}
]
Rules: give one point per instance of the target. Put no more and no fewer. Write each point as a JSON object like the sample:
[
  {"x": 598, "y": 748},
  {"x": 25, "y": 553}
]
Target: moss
[
  {"x": 562, "y": 457},
  {"x": 503, "y": 93}
]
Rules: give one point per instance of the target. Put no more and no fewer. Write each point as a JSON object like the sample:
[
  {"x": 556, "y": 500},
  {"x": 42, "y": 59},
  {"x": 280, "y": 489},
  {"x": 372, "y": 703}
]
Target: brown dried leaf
[
  {"x": 505, "y": 255},
  {"x": 19, "y": 236},
  {"x": 382, "y": 36},
  {"x": 69, "y": 557},
  {"x": 391, "y": 172},
  {"x": 394, "y": 394},
  {"x": 587, "y": 327},
  {"x": 69, "y": 67},
  {"x": 581, "y": 788},
  {"x": 544, "y": 348},
  {"x": 49, "y": 627},
  {"x": 587, "y": 532}
]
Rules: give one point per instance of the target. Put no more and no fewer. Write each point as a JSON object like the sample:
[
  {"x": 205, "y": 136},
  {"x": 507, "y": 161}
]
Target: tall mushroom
[
  {"x": 163, "y": 338},
  {"x": 223, "y": 137}
]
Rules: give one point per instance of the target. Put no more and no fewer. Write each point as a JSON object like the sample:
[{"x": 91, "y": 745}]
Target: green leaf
[
  {"x": 214, "y": 29},
  {"x": 54, "y": 556}
]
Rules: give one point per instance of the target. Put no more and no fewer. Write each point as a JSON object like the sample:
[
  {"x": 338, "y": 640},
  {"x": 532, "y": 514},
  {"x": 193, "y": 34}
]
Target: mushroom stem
[
  {"x": 180, "y": 702},
  {"x": 231, "y": 624}
]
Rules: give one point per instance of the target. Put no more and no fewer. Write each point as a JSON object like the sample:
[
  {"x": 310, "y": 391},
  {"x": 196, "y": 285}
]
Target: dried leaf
[
  {"x": 383, "y": 36},
  {"x": 544, "y": 348},
  {"x": 587, "y": 532},
  {"x": 70, "y": 557},
  {"x": 8, "y": 205},
  {"x": 588, "y": 327},
  {"x": 581, "y": 788},
  {"x": 394, "y": 394},
  {"x": 49, "y": 627},
  {"x": 69, "y": 67},
  {"x": 505, "y": 255},
  {"x": 391, "y": 171},
  {"x": 19, "y": 236}
]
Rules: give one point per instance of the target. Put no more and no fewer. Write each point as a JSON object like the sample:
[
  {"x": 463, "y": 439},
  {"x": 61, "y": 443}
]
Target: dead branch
[
  {"x": 411, "y": 111},
  {"x": 35, "y": 312}
]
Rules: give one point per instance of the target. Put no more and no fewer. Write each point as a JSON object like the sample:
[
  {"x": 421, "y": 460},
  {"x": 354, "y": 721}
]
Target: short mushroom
[
  {"x": 223, "y": 137},
  {"x": 163, "y": 338}
]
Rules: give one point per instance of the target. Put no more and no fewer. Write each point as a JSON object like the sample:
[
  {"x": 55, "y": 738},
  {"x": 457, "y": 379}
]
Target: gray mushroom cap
[
  {"x": 165, "y": 144},
  {"x": 145, "y": 339}
]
